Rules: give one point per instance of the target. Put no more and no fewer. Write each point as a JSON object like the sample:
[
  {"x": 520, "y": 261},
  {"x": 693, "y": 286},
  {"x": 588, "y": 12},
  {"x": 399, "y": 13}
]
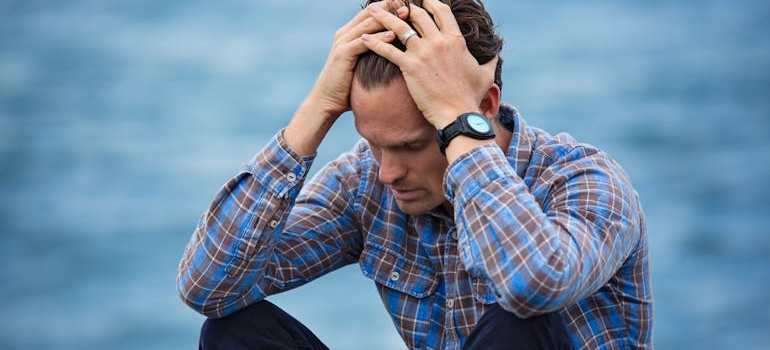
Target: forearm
[
  {"x": 227, "y": 253},
  {"x": 309, "y": 125},
  {"x": 543, "y": 246}
]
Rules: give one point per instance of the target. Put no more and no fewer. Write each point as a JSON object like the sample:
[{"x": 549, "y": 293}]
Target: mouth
[{"x": 406, "y": 194}]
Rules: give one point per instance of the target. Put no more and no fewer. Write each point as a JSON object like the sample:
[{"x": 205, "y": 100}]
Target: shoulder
[
  {"x": 563, "y": 151},
  {"x": 561, "y": 162},
  {"x": 354, "y": 170},
  {"x": 355, "y": 162}
]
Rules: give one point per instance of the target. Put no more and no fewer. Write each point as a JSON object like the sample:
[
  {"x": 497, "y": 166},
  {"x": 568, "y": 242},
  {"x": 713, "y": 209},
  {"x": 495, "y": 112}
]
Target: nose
[{"x": 391, "y": 168}]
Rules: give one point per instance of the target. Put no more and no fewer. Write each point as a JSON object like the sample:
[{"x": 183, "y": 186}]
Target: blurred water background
[{"x": 120, "y": 119}]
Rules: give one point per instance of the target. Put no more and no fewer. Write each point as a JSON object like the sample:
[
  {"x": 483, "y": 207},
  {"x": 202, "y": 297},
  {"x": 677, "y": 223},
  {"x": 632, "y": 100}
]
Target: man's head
[{"x": 401, "y": 139}]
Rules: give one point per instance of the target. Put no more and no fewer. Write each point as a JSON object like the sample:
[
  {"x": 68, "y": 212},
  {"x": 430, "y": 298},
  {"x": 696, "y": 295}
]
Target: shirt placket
[{"x": 451, "y": 260}]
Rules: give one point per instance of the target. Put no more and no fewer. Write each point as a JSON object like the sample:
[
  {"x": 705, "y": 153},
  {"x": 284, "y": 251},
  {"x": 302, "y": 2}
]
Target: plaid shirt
[{"x": 554, "y": 226}]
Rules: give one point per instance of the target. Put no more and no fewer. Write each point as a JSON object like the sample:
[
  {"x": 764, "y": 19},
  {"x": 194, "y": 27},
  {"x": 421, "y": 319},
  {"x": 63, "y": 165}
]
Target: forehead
[{"x": 388, "y": 115}]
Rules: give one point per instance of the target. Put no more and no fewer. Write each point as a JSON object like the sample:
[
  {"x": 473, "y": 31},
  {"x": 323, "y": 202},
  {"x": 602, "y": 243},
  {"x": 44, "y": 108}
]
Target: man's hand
[
  {"x": 333, "y": 85},
  {"x": 330, "y": 96},
  {"x": 444, "y": 79}
]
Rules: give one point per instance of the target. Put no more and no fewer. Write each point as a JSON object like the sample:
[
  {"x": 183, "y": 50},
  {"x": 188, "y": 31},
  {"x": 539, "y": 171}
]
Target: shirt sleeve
[
  {"x": 253, "y": 240},
  {"x": 547, "y": 242}
]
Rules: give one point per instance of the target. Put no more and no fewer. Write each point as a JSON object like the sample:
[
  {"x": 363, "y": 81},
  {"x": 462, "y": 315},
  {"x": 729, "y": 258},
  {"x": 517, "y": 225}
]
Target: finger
[
  {"x": 422, "y": 21},
  {"x": 490, "y": 68},
  {"x": 358, "y": 46},
  {"x": 383, "y": 48},
  {"x": 362, "y": 16},
  {"x": 443, "y": 16},
  {"x": 399, "y": 8},
  {"x": 391, "y": 22},
  {"x": 403, "y": 12},
  {"x": 367, "y": 26}
]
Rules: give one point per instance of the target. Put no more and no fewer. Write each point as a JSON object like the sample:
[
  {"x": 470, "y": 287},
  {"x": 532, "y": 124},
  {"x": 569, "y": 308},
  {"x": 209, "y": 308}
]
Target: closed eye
[{"x": 416, "y": 145}]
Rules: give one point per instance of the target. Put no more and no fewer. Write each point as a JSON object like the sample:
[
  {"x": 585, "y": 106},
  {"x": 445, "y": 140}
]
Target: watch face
[{"x": 479, "y": 123}]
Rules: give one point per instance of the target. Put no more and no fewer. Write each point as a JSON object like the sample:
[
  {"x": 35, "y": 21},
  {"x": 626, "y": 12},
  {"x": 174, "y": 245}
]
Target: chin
[{"x": 416, "y": 208}]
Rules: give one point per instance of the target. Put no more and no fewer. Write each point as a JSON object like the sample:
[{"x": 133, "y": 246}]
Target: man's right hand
[{"x": 330, "y": 96}]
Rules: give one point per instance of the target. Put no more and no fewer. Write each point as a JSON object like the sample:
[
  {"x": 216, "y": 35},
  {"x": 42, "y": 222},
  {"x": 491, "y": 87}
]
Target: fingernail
[
  {"x": 375, "y": 9},
  {"x": 389, "y": 35},
  {"x": 365, "y": 37},
  {"x": 402, "y": 10}
]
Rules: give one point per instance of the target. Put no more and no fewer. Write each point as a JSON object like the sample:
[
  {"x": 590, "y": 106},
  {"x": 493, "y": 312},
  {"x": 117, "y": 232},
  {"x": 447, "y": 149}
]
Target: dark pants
[{"x": 264, "y": 326}]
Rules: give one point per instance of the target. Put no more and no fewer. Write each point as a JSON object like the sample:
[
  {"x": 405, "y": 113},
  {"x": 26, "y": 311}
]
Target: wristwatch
[{"x": 473, "y": 125}]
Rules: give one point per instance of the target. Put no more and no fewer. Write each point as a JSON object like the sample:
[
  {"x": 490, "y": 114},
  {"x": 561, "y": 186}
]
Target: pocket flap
[{"x": 415, "y": 278}]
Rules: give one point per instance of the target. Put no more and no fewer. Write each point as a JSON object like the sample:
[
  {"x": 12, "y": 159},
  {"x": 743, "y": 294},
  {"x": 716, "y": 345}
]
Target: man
[{"x": 479, "y": 231}]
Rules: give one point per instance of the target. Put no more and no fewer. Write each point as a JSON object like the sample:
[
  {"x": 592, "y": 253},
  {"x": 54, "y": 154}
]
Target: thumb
[{"x": 489, "y": 69}]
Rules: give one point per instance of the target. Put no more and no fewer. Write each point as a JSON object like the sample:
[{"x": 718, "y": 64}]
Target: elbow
[
  {"x": 199, "y": 300},
  {"x": 546, "y": 290},
  {"x": 192, "y": 299},
  {"x": 212, "y": 303},
  {"x": 205, "y": 308},
  {"x": 531, "y": 302}
]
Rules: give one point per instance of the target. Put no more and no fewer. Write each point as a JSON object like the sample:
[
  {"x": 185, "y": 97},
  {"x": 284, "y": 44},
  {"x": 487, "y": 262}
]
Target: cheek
[{"x": 431, "y": 168}]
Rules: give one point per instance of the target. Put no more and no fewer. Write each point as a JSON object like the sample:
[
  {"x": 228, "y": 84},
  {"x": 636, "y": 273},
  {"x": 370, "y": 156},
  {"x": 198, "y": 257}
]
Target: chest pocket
[{"x": 414, "y": 277}]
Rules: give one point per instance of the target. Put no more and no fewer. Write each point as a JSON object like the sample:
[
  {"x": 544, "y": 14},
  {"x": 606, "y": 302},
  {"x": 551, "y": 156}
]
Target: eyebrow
[{"x": 408, "y": 140}]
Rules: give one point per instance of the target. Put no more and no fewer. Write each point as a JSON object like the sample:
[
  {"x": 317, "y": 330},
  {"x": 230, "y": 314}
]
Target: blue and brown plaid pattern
[{"x": 553, "y": 226}]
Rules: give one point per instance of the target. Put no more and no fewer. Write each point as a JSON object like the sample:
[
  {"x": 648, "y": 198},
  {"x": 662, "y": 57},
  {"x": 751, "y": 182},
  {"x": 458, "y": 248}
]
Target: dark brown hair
[{"x": 477, "y": 27}]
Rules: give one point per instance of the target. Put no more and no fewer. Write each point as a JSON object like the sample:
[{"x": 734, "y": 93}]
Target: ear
[{"x": 490, "y": 103}]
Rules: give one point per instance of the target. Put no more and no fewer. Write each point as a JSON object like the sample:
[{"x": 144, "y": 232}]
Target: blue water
[{"x": 120, "y": 119}]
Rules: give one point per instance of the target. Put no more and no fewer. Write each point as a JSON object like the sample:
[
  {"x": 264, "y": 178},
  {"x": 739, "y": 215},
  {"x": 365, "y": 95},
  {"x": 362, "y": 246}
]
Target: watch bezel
[{"x": 461, "y": 126}]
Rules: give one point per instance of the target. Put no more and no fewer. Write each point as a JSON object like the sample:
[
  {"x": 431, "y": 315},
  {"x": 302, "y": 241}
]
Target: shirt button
[
  {"x": 450, "y": 303},
  {"x": 273, "y": 223},
  {"x": 291, "y": 177},
  {"x": 394, "y": 276},
  {"x": 454, "y": 235}
]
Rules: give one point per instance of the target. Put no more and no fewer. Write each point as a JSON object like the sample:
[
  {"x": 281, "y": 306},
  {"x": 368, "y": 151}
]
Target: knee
[
  {"x": 550, "y": 324},
  {"x": 546, "y": 331},
  {"x": 258, "y": 311},
  {"x": 501, "y": 327},
  {"x": 241, "y": 327},
  {"x": 546, "y": 322}
]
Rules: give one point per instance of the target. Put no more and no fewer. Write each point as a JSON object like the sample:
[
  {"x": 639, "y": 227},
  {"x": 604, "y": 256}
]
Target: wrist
[
  {"x": 471, "y": 125},
  {"x": 463, "y": 145},
  {"x": 445, "y": 116},
  {"x": 308, "y": 128},
  {"x": 325, "y": 111}
]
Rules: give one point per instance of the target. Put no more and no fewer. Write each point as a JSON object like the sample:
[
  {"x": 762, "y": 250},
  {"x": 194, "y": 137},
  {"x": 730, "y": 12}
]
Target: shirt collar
[{"x": 522, "y": 141}]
